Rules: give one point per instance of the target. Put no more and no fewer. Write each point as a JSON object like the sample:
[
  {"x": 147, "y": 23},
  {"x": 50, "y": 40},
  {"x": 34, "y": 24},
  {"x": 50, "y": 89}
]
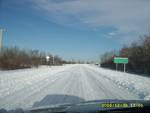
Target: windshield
[{"x": 70, "y": 51}]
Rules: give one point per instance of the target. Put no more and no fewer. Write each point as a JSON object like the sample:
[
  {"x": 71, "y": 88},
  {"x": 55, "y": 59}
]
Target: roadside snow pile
[
  {"x": 136, "y": 84},
  {"x": 15, "y": 80}
]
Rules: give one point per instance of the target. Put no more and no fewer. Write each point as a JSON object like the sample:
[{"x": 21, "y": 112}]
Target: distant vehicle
[{"x": 97, "y": 64}]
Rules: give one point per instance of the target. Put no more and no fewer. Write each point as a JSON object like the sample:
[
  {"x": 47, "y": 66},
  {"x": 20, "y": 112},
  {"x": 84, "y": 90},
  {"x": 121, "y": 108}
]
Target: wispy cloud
[
  {"x": 112, "y": 33},
  {"x": 129, "y": 17}
]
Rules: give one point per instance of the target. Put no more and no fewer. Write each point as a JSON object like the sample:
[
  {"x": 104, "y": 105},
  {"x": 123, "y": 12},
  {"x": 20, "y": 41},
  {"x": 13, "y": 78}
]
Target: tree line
[
  {"x": 16, "y": 58},
  {"x": 138, "y": 53}
]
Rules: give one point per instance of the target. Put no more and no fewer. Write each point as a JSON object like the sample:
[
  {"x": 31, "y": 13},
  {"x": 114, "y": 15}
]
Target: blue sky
[{"x": 74, "y": 29}]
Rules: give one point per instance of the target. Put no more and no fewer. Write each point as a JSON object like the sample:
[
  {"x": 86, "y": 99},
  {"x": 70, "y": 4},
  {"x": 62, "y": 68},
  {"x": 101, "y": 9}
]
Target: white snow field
[{"x": 26, "y": 88}]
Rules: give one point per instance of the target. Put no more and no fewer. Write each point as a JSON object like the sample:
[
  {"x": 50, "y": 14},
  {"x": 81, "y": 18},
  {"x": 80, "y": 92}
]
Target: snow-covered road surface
[{"x": 42, "y": 86}]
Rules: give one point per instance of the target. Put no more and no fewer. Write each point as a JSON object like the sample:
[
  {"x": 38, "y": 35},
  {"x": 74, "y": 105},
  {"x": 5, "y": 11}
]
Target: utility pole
[
  {"x": 1, "y": 38},
  {"x": 53, "y": 60},
  {"x": 47, "y": 59}
]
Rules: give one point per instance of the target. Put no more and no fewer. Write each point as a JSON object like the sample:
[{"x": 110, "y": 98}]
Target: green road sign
[{"x": 120, "y": 60}]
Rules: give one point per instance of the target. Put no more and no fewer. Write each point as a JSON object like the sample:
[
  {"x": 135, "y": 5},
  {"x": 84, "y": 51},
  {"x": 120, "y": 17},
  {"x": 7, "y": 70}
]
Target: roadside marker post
[{"x": 121, "y": 60}]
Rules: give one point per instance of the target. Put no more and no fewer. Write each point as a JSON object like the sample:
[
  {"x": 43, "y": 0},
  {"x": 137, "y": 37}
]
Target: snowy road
[{"x": 68, "y": 84}]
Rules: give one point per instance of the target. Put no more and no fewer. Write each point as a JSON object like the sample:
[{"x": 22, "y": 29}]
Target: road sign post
[
  {"x": 121, "y": 60},
  {"x": 116, "y": 66},
  {"x": 124, "y": 67}
]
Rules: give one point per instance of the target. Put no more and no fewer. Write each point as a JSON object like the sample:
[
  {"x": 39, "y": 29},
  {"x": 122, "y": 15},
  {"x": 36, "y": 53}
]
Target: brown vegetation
[
  {"x": 15, "y": 58},
  {"x": 138, "y": 54}
]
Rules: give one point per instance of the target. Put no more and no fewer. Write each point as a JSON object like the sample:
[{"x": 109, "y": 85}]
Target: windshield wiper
[{"x": 102, "y": 106}]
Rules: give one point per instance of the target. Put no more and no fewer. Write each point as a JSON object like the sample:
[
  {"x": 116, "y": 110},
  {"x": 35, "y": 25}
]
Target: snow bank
[
  {"x": 15, "y": 80},
  {"x": 137, "y": 84}
]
